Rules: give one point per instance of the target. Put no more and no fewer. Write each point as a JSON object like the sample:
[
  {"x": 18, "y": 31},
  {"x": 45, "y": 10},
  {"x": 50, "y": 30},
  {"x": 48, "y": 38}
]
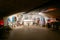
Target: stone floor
[{"x": 30, "y": 33}]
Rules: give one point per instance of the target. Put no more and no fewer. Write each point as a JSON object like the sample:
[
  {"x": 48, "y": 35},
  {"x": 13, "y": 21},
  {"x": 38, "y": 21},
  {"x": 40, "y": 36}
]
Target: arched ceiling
[{"x": 8, "y": 7}]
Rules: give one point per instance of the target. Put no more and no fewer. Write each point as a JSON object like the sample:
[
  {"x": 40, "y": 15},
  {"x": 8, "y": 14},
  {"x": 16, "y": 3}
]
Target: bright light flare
[{"x": 42, "y": 14}]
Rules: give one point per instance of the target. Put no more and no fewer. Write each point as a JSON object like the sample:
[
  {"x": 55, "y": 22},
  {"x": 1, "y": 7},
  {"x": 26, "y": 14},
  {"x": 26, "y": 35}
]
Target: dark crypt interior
[{"x": 29, "y": 19}]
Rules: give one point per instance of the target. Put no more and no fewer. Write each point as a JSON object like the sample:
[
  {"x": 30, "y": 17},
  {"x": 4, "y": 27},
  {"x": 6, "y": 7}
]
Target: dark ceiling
[{"x": 8, "y": 7}]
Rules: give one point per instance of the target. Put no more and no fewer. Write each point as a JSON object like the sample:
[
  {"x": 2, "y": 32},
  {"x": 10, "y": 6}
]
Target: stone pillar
[{"x": 5, "y": 21}]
